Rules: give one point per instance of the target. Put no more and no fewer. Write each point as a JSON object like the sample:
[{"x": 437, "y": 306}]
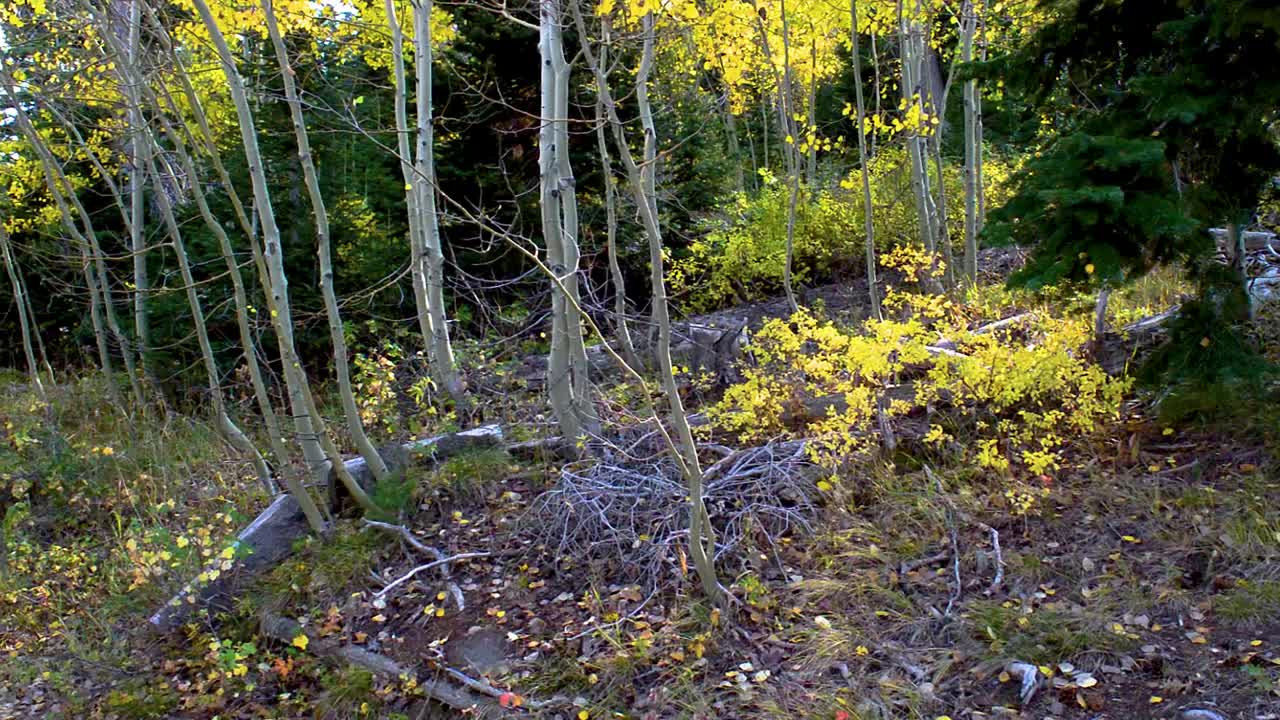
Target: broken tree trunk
[{"x": 270, "y": 538}]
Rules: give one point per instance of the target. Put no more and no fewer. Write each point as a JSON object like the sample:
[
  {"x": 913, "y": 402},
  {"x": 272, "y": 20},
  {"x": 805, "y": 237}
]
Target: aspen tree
[
  {"x": 790, "y": 152},
  {"x": 137, "y": 198},
  {"x": 702, "y": 541},
  {"x": 861, "y": 117},
  {"x": 431, "y": 257},
  {"x": 20, "y": 302},
  {"x": 568, "y": 379},
  {"x": 972, "y": 144},
  {"x": 55, "y": 180},
  {"x": 181, "y": 142},
  {"x": 309, "y": 425},
  {"x": 611, "y": 217},
  {"x": 321, "y": 218}
]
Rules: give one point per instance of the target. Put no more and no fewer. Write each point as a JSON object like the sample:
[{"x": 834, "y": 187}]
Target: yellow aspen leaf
[{"x": 300, "y": 642}]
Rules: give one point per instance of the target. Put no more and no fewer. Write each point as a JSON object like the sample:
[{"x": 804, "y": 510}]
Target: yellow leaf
[
  {"x": 300, "y": 642},
  {"x": 1156, "y": 700},
  {"x": 583, "y": 715}
]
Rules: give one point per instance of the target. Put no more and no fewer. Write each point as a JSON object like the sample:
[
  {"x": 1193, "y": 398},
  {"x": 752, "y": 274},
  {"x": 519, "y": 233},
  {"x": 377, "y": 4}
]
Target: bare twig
[{"x": 434, "y": 563}]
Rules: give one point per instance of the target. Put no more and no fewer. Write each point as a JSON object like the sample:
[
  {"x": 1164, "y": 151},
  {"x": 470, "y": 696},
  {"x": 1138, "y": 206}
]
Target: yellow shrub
[{"x": 1015, "y": 403}]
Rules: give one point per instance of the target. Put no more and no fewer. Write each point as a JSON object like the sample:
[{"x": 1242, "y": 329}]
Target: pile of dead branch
[{"x": 632, "y": 520}]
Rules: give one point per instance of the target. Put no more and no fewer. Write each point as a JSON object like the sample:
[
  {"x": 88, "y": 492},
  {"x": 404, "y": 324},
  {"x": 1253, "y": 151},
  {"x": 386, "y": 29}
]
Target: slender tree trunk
[
  {"x": 868, "y": 218},
  {"x": 875, "y": 67},
  {"x": 431, "y": 256},
  {"x": 811, "y": 132},
  {"x": 735, "y": 147},
  {"x": 972, "y": 140},
  {"x": 764, "y": 123},
  {"x": 559, "y": 375},
  {"x": 20, "y": 302},
  {"x": 180, "y": 143},
  {"x": 940, "y": 219},
  {"x": 611, "y": 219},
  {"x": 234, "y": 435},
  {"x": 341, "y": 366},
  {"x": 912, "y": 92},
  {"x": 790, "y": 151},
  {"x": 308, "y": 423},
  {"x": 229, "y": 429},
  {"x": 55, "y": 181},
  {"x": 567, "y": 368},
  {"x": 685, "y": 451},
  {"x": 565, "y": 183},
  {"x": 137, "y": 206}
]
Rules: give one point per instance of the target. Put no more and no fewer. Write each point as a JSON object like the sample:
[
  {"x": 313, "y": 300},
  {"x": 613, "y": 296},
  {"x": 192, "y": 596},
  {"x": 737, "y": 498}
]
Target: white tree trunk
[
  {"x": 309, "y": 424},
  {"x": 868, "y": 218},
  {"x": 20, "y": 302},
  {"x": 430, "y": 263},
  {"x": 701, "y": 533},
  {"x": 321, "y": 216}
]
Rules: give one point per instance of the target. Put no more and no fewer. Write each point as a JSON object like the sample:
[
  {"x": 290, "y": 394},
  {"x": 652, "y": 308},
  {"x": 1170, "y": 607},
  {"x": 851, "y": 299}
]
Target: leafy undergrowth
[{"x": 1047, "y": 522}]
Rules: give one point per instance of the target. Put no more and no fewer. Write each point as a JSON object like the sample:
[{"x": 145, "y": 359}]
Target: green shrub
[{"x": 742, "y": 255}]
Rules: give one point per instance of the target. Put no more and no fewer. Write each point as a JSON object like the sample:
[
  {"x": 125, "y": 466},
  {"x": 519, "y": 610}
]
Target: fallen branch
[
  {"x": 906, "y": 567},
  {"x": 1001, "y": 324},
  {"x": 286, "y": 630},
  {"x": 434, "y": 563},
  {"x": 456, "y": 592}
]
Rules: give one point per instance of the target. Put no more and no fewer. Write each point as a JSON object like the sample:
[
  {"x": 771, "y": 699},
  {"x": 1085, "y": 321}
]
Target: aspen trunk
[
  {"x": 431, "y": 257},
  {"x": 55, "y": 181},
  {"x": 868, "y": 219},
  {"x": 940, "y": 219},
  {"x": 701, "y": 533},
  {"x": 321, "y": 216},
  {"x": 911, "y": 42},
  {"x": 972, "y": 139},
  {"x": 164, "y": 102},
  {"x": 568, "y": 368},
  {"x": 621, "y": 329},
  {"x": 20, "y": 302},
  {"x": 308, "y": 423},
  {"x": 137, "y": 207},
  {"x": 229, "y": 429},
  {"x": 559, "y": 377},
  {"x": 790, "y": 151},
  {"x": 811, "y": 169}
]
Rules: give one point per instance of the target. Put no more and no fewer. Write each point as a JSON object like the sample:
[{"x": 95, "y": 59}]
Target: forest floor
[{"x": 1140, "y": 581}]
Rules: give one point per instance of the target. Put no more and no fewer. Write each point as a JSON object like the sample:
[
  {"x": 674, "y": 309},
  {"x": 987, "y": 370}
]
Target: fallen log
[
  {"x": 288, "y": 630},
  {"x": 270, "y": 538}
]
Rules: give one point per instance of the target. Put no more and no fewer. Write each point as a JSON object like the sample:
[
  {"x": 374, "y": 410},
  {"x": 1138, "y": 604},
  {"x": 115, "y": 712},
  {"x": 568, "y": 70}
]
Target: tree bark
[
  {"x": 868, "y": 217},
  {"x": 685, "y": 451},
  {"x": 972, "y": 143},
  {"x": 24, "y": 323},
  {"x": 431, "y": 258},
  {"x": 321, "y": 216},
  {"x": 621, "y": 330},
  {"x": 309, "y": 425}
]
